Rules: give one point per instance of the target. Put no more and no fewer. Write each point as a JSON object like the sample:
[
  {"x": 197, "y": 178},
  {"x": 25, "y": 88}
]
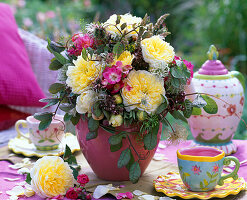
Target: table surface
[{"x": 155, "y": 169}]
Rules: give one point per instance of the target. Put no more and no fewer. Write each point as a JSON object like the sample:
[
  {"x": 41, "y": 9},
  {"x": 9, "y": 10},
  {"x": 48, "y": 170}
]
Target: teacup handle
[
  {"x": 234, "y": 175},
  {"x": 19, "y": 133}
]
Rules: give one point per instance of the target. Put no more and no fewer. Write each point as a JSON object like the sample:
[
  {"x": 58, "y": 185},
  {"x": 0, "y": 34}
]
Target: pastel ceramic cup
[
  {"x": 48, "y": 139},
  {"x": 200, "y": 167}
]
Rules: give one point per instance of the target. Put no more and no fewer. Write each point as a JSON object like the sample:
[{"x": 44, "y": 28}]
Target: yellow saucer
[
  {"x": 22, "y": 146},
  {"x": 172, "y": 185}
]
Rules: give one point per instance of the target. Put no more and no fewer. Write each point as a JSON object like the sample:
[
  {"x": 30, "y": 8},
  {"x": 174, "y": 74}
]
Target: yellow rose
[
  {"x": 82, "y": 74},
  {"x": 126, "y": 18},
  {"x": 158, "y": 54},
  {"x": 142, "y": 90},
  {"x": 51, "y": 176},
  {"x": 126, "y": 58}
]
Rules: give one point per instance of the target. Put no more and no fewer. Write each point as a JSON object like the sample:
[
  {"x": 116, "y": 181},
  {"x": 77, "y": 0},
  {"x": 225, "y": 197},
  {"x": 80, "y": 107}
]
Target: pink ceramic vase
[{"x": 104, "y": 162}]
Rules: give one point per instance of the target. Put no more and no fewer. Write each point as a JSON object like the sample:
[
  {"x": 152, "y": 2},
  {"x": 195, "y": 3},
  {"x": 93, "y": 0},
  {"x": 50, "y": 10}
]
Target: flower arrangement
[{"x": 119, "y": 73}]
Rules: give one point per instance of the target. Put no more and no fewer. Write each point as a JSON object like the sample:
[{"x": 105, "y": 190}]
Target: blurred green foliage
[{"x": 194, "y": 24}]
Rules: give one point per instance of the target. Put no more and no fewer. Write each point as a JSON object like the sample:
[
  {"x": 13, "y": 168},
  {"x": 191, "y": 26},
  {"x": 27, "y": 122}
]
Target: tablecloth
[{"x": 145, "y": 183}]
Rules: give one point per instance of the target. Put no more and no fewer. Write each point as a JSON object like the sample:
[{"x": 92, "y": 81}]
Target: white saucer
[{"x": 22, "y": 146}]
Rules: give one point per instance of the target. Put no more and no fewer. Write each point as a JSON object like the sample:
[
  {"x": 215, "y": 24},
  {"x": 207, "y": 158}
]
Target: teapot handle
[{"x": 239, "y": 76}]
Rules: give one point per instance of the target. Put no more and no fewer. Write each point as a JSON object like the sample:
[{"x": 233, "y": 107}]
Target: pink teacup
[{"x": 45, "y": 140}]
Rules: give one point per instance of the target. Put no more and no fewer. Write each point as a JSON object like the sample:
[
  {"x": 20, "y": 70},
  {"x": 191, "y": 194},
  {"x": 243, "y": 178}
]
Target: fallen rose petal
[
  {"x": 126, "y": 195},
  {"x": 101, "y": 190},
  {"x": 11, "y": 179},
  {"x": 29, "y": 192},
  {"x": 165, "y": 198},
  {"x": 138, "y": 192},
  {"x": 22, "y": 183},
  {"x": 13, "y": 197},
  {"x": 26, "y": 160},
  {"x": 23, "y": 170},
  {"x": 121, "y": 186},
  {"x": 161, "y": 146},
  {"x": 147, "y": 197},
  {"x": 16, "y": 166},
  {"x": 16, "y": 191}
]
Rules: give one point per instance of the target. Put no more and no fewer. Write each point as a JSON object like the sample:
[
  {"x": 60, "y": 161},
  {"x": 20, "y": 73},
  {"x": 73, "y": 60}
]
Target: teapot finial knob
[{"x": 212, "y": 53}]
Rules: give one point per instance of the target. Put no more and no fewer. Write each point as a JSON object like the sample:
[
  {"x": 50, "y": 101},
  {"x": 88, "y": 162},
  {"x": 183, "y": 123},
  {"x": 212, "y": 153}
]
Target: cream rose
[
  {"x": 126, "y": 18},
  {"x": 85, "y": 101},
  {"x": 51, "y": 176}
]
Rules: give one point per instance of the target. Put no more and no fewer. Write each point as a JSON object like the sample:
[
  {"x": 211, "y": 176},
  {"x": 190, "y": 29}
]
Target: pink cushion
[{"x": 18, "y": 85}]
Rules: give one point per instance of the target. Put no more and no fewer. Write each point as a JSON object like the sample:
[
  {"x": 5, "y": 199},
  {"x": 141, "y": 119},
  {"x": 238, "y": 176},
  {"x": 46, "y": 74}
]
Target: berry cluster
[
  {"x": 176, "y": 101},
  {"x": 109, "y": 105}
]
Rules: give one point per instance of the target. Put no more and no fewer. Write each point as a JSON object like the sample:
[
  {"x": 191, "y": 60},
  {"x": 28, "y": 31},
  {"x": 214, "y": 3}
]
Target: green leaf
[
  {"x": 135, "y": 172},
  {"x": 56, "y": 87},
  {"x": 67, "y": 117},
  {"x": 66, "y": 107},
  {"x": 118, "y": 49},
  {"x": 71, "y": 160},
  {"x": 55, "y": 65},
  {"x": 209, "y": 175},
  {"x": 205, "y": 182},
  {"x": 75, "y": 172},
  {"x": 117, "y": 138},
  {"x": 107, "y": 115},
  {"x": 108, "y": 129},
  {"x": 150, "y": 140},
  {"x": 51, "y": 102},
  {"x": 131, "y": 162},
  {"x": 56, "y": 47},
  {"x": 92, "y": 135},
  {"x": 116, "y": 147},
  {"x": 28, "y": 179},
  {"x": 161, "y": 107},
  {"x": 51, "y": 140},
  {"x": 177, "y": 115},
  {"x": 75, "y": 119},
  {"x": 58, "y": 56},
  {"x": 44, "y": 124},
  {"x": 67, "y": 152},
  {"x": 84, "y": 54},
  {"x": 196, "y": 111},
  {"x": 211, "y": 107},
  {"x": 41, "y": 141},
  {"x": 96, "y": 110},
  {"x": 188, "y": 108},
  {"x": 124, "y": 158},
  {"x": 175, "y": 82},
  {"x": 93, "y": 125},
  {"x": 123, "y": 26},
  {"x": 118, "y": 19},
  {"x": 43, "y": 116},
  {"x": 177, "y": 72}
]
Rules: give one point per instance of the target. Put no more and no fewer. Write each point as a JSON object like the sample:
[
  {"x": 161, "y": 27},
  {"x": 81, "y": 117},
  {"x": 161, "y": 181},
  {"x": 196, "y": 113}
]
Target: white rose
[{"x": 85, "y": 101}]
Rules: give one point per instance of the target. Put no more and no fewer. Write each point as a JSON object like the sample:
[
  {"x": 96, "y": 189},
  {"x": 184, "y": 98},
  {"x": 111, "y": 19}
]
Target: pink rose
[
  {"x": 71, "y": 193},
  {"x": 82, "y": 179}
]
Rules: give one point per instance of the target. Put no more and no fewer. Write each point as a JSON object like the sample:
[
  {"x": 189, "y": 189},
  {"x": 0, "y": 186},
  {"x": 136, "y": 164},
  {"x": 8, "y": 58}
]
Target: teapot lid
[{"x": 213, "y": 66}]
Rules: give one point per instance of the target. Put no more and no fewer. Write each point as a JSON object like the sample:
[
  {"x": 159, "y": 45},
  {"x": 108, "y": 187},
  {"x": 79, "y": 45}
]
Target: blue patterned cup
[{"x": 200, "y": 168}]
